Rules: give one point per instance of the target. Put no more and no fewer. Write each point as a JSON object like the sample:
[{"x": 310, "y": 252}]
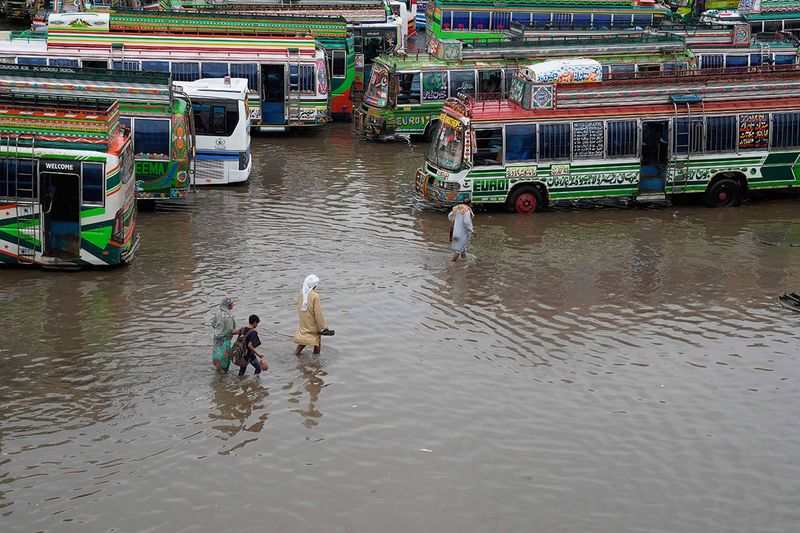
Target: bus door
[
  {"x": 654, "y": 156},
  {"x": 273, "y": 91},
  {"x": 490, "y": 82},
  {"x": 61, "y": 208}
]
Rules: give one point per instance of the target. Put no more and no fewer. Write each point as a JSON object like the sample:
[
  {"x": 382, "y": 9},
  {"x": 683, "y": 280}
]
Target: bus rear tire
[
  {"x": 726, "y": 192},
  {"x": 524, "y": 200}
]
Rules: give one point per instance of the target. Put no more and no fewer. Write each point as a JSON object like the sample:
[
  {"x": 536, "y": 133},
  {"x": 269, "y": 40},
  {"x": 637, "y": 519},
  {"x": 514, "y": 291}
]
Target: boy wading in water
[
  {"x": 252, "y": 342},
  {"x": 462, "y": 232},
  {"x": 311, "y": 320}
]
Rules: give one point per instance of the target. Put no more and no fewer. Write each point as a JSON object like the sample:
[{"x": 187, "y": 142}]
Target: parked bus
[
  {"x": 719, "y": 134},
  {"x": 373, "y": 27},
  {"x": 158, "y": 117},
  {"x": 222, "y": 125},
  {"x": 405, "y": 94},
  {"x": 761, "y": 15},
  {"x": 287, "y": 75},
  {"x": 762, "y": 49},
  {"x": 67, "y": 193},
  {"x": 472, "y": 20}
]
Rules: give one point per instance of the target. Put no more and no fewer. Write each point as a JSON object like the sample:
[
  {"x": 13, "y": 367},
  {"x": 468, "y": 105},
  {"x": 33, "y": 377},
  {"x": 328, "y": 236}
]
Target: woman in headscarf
[
  {"x": 461, "y": 218},
  {"x": 311, "y": 320},
  {"x": 224, "y": 325}
]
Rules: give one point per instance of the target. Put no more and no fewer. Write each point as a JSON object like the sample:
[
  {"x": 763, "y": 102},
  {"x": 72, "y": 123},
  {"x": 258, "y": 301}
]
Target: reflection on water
[{"x": 596, "y": 369}]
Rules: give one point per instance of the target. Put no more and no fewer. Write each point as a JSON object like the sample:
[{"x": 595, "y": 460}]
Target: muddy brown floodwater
[{"x": 605, "y": 370}]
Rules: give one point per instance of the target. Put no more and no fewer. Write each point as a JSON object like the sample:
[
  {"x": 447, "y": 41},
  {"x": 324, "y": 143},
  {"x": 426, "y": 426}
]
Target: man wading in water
[
  {"x": 312, "y": 323},
  {"x": 461, "y": 231}
]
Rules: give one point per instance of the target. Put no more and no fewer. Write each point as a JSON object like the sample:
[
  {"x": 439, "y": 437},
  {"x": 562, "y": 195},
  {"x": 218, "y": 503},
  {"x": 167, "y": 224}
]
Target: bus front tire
[
  {"x": 726, "y": 192},
  {"x": 524, "y": 200}
]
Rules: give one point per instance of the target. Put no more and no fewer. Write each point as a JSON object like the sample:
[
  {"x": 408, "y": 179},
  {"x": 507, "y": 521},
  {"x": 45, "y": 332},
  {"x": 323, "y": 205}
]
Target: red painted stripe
[{"x": 15, "y": 256}]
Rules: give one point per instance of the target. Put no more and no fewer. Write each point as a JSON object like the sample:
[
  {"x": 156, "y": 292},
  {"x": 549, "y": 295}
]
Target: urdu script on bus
[{"x": 754, "y": 130}]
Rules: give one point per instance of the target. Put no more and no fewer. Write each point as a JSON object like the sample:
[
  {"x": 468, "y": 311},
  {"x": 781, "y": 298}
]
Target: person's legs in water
[
  {"x": 256, "y": 362},
  {"x": 318, "y": 347},
  {"x": 242, "y": 370},
  {"x": 455, "y": 257},
  {"x": 299, "y": 349}
]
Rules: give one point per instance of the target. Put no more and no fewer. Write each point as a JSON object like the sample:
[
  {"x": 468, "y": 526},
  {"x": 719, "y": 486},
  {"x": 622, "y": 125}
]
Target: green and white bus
[
  {"x": 406, "y": 93},
  {"x": 67, "y": 188},
  {"x": 476, "y": 20},
  {"x": 716, "y": 133}
]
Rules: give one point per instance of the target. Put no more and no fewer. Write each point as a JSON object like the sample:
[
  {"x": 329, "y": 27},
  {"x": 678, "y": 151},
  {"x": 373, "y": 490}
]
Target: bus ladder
[
  {"x": 293, "y": 98},
  {"x": 28, "y": 221},
  {"x": 766, "y": 53},
  {"x": 680, "y": 170}
]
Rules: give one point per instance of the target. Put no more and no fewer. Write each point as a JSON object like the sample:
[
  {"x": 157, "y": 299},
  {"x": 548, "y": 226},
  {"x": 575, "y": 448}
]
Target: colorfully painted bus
[
  {"x": 405, "y": 93},
  {"x": 761, "y": 15},
  {"x": 222, "y": 126},
  {"x": 67, "y": 191},
  {"x": 158, "y": 116},
  {"x": 762, "y": 49},
  {"x": 472, "y": 20},
  {"x": 718, "y": 134},
  {"x": 373, "y": 28},
  {"x": 287, "y": 74}
]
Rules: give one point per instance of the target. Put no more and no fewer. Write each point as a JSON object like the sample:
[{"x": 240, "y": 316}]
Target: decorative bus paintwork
[
  {"x": 372, "y": 26},
  {"x": 718, "y": 134},
  {"x": 406, "y": 93},
  {"x": 222, "y": 125},
  {"x": 158, "y": 117},
  {"x": 287, "y": 74},
  {"x": 67, "y": 191}
]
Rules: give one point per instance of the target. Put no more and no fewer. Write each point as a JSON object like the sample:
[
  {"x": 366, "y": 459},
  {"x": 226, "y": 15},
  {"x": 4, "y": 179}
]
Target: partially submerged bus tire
[
  {"x": 725, "y": 190},
  {"x": 526, "y": 198}
]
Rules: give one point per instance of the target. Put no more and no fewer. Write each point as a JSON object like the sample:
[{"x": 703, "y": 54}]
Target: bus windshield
[
  {"x": 377, "y": 94},
  {"x": 447, "y": 145}
]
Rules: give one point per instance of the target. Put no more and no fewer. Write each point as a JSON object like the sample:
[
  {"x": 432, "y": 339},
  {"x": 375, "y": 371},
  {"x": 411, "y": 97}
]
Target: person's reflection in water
[
  {"x": 237, "y": 402},
  {"x": 312, "y": 373}
]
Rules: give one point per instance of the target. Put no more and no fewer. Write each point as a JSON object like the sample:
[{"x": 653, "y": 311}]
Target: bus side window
[
  {"x": 249, "y": 71},
  {"x": 93, "y": 187},
  {"x": 185, "y": 71},
  {"x": 555, "y": 141},
  {"x": 685, "y": 139},
  {"x": 621, "y": 139},
  {"x": 460, "y": 20},
  {"x": 408, "y": 89},
  {"x": 785, "y": 130},
  {"x": 462, "y": 81},
  {"x": 155, "y": 66},
  {"x": 520, "y": 143},
  {"x": 488, "y": 145},
  {"x": 721, "y": 134}
]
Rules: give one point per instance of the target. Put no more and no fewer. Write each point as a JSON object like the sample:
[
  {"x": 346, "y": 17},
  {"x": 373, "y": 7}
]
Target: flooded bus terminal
[{"x": 585, "y": 369}]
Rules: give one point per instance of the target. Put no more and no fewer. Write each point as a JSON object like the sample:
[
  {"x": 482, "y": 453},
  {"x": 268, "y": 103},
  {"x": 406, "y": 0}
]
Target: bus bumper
[
  {"x": 431, "y": 190},
  {"x": 368, "y": 124},
  {"x": 128, "y": 255}
]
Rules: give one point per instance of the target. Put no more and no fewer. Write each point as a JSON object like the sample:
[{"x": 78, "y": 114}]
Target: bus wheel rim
[
  {"x": 526, "y": 203},
  {"x": 723, "y": 196}
]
